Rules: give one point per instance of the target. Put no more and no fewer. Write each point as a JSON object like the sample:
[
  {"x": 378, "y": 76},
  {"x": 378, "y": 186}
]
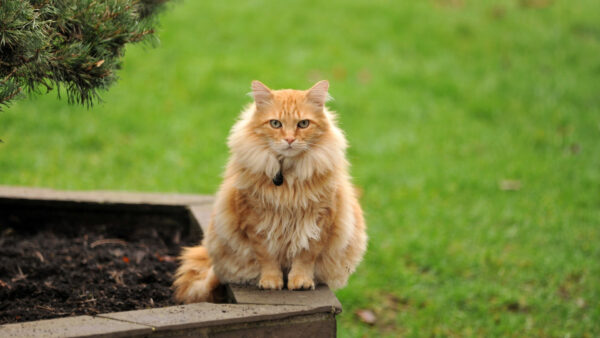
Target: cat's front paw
[
  {"x": 300, "y": 282},
  {"x": 271, "y": 282}
]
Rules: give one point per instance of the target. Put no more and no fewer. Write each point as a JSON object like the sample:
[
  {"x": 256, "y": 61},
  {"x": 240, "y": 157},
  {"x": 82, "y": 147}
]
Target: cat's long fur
[{"x": 310, "y": 227}]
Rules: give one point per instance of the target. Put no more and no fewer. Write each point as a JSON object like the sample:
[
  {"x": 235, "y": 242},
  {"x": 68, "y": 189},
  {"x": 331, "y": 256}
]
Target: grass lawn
[{"x": 474, "y": 129}]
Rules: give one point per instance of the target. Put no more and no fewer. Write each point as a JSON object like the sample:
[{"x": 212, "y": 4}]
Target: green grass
[{"x": 441, "y": 101}]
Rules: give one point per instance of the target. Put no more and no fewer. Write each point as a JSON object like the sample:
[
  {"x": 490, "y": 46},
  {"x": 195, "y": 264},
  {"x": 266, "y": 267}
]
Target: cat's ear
[
  {"x": 261, "y": 93},
  {"x": 318, "y": 94}
]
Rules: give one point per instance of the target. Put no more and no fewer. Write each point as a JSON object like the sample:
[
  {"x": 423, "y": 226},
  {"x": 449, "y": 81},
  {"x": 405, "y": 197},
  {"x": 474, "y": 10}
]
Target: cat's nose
[{"x": 290, "y": 140}]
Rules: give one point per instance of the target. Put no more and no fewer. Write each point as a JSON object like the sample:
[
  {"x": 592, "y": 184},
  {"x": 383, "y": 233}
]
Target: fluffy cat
[{"x": 286, "y": 205}]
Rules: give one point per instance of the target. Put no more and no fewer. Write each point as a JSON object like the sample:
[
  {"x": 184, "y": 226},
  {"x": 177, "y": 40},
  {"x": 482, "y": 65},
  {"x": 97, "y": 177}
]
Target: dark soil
[{"x": 60, "y": 270}]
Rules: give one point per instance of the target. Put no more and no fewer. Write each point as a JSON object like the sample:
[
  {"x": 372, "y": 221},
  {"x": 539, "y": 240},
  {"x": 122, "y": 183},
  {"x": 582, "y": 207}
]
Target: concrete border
[{"x": 251, "y": 312}]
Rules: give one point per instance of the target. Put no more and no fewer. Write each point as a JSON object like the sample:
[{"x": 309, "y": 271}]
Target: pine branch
[{"x": 76, "y": 44}]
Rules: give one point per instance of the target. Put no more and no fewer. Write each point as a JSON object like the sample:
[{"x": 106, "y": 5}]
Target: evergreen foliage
[{"x": 77, "y": 44}]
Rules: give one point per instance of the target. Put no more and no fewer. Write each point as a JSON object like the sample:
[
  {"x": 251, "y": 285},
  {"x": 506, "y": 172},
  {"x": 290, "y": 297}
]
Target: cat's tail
[{"x": 195, "y": 279}]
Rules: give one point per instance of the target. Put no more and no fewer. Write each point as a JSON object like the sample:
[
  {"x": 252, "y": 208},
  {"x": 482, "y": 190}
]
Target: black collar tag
[{"x": 278, "y": 179}]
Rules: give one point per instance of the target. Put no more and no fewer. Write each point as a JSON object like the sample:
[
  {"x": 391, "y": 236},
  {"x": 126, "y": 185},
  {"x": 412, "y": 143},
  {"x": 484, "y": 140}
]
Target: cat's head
[{"x": 290, "y": 121}]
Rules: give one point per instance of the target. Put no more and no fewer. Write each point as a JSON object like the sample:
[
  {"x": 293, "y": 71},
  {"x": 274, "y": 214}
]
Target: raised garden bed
[{"x": 88, "y": 257}]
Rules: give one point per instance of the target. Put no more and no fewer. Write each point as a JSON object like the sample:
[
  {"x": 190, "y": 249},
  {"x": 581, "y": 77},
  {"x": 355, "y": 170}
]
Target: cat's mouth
[
  {"x": 291, "y": 151},
  {"x": 288, "y": 150}
]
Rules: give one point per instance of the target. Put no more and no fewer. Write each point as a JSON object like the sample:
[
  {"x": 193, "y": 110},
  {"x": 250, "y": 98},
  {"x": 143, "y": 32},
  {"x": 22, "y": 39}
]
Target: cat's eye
[
  {"x": 303, "y": 124},
  {"x": 275, "y": 124}
]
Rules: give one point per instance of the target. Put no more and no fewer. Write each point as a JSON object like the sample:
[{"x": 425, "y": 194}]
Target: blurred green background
[{"x": 474, "y": 129}]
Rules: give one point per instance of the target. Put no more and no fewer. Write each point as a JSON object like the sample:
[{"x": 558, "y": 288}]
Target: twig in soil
[
  {"x": 117, "y": 276},
  {"x": 39, "y": 255},
  {"x": 19, "y": 276},
  {"x": 165, "y": 258},
  {"x": 4, "y": 285},
  {"x": 49, "y": 309},
  {"x": 108, "y": 241},
  {"x": 91, "y": 300}
]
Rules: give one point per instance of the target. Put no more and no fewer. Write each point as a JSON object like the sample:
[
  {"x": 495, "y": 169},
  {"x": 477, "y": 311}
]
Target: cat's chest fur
[{"x": 287, "y": 217}]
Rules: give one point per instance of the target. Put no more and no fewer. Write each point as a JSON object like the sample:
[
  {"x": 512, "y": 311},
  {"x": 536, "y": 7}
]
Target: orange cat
[{"x": 286, "y": 204}]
